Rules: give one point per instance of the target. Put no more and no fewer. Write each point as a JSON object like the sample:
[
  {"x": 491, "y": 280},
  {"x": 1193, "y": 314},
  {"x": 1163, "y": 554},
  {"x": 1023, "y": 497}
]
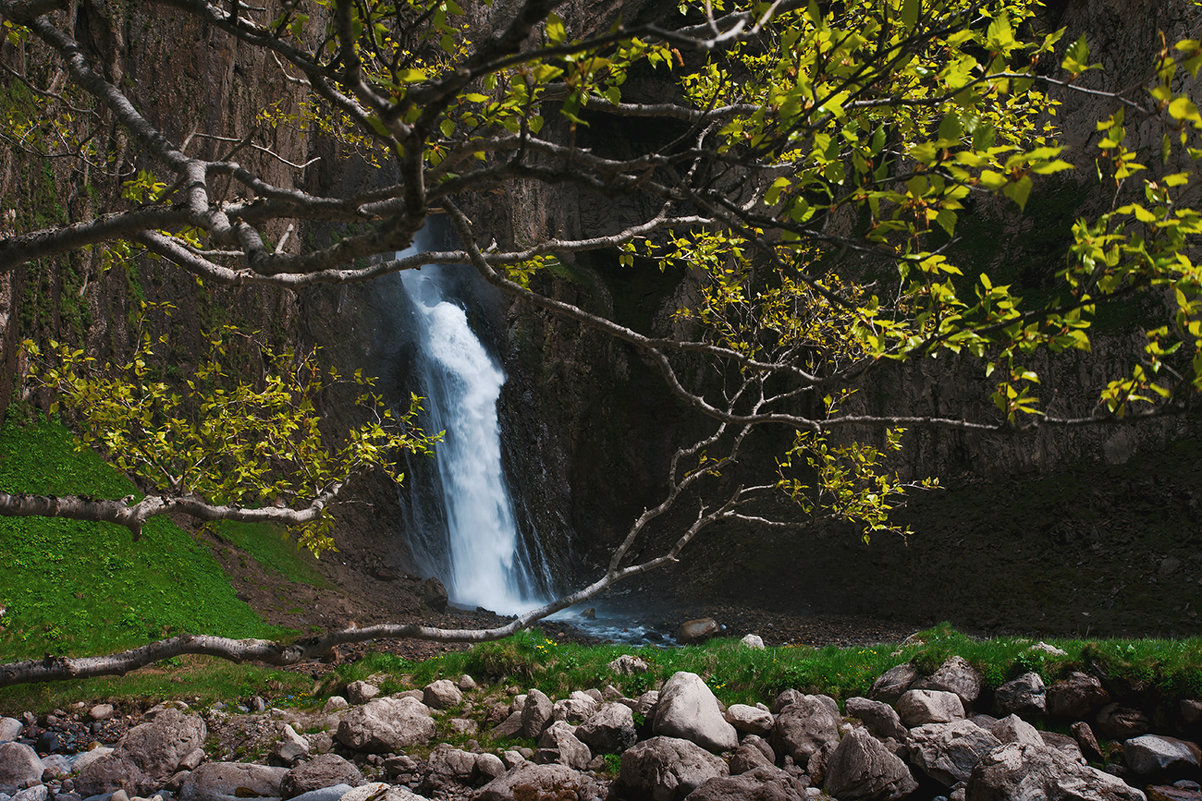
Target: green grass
[
  {"x": 273, "y": 550},
  {"x": 76, "y": 588},
  {"x": 739, "y": 675}
]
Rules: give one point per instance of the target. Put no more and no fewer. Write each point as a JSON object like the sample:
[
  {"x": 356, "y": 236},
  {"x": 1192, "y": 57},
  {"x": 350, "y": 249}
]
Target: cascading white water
[{"x": 483, "y": 560}]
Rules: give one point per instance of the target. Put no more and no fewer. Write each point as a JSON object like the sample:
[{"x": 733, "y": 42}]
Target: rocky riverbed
[{"x": 946, "y": 735}]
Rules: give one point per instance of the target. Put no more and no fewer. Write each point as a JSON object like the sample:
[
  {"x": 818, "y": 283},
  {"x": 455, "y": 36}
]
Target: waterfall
[{"x": 462, "y": 523}]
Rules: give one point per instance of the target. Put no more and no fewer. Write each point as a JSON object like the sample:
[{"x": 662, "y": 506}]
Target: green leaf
[{"x": 555, "y": 29}]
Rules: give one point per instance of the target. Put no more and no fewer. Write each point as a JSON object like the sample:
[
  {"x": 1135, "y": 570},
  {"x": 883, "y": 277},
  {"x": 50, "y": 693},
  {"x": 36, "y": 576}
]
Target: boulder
[
  {"x": 1064, "y": 744},
  {"x": 688, "y": 709},
  {"x": 920, "y": 707},
  {"x": 442, "y": 694},
  {"x": 1025, "y": 696},
  {"x": 290, "y": 748},
  {"x": 1122, "y": 722},
  {"x": 1013, "y": 729},
  {"x": 510, "y": 727},
  {"x": 448, "y": 764},
  {"x": 879, "y": 718},
  {"x": 753, "y": 752},
  {"x": 101, "y": 712},
  {"x": 628, "y": 665},
  {"x": 749, "y": 719},
  {"x": 335, "y": 703},
  {"x": 645, "y": 704},
  {"x": 379, "y": 791},
  {"x": 1017, "y": 772},
  {"x": 435, "y": 594},
  {"x": 804, "y": 726},
  {"x": 1076, "y": 696},
  {"x": 890, "y": 685},
  {"x": 1173, "y": 792},
  {"x": 55, "y": 766},
  {"x": 957, "y": 676},
  {"x": 39, "y": 792},
  {"x": 386, "y": 724},
  {"x": 765, "y": 783},
  {"x": 1153, "y": 754},
  {"x": 610, "y": 730},
  {"x": 228, "y": 781},
  {"x": 360, "y": 692},
  {"x": 697, "y": 630},
  {"x": 88, "y": 757},
  {"x": 334, "y": 793},
  {"x": 489, "y": 766},
  {"x": 1087, "y": 742},
  {"x": 466, "y": 683},
  {"x": 753, "y": 641},
  {"x": 530, "y": 782},
  {"x": 666, "y": 769},
  {"x": 536, "y": 713},
  {"x": 10, "y": 729},
  {"x": 576, "y": 708},
  {"x": 19, "y": 767},
  {"x": 147, "y": 756},
  {"x": 947, "y": 752},
  {"x": 862, "y": 768},
  {"x": 325, "y": 770},
  {"x": 558, "y": 744}
]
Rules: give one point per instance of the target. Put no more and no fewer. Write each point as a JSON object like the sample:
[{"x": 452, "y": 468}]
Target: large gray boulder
[
  {"x": 803, "y": 727},
  {"x": 576, "y": 708},
  {"x": 449, "y": 766},
  {"x": 1025, "y": 696},
  {"x": 536, "y": 713},
  {"x": 531, "y": 782},
  {"x": 1152, "y": 754},
  {"x": 386, "y": 724},
  {"x": 147, "y": 756},
  {"x": 442, "y": 694},
  {"x": 920, "y": 707},
  {"x": 688, "y": 709},
  {"x": 879, "y": 718},
  {"x": 862, "y": 768},
  {"x": 10, "y": 729},
  {"x": 230, "y": 781},
  {"x": 325, "y": 770},
  {"x": 666, "y": 769},
  {"x": 1017, "y": 772},
  {"x": 753, "y": 752},
  {"x": 610, "y": 730},
  {"x": 957, "y": 676},
  {"x": 765, "y": 783},
  {"x": 19, "y": 767},
  {"x": 1013, "y": 729},
  {"x": 749, "y": 719},
  {"x": 947, "y": 752}
]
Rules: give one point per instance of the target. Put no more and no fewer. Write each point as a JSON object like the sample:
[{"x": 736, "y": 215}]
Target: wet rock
[
  {"x": 666, "y": 769},
  {"x": 862, "y": 768},
  {"x": 227, "y": 781},
  {"x": 386, "y": 724},
  {"x": 947, "y": 752},
  {"x": 804, "y": 726},
  {"x": 19, "y": 767},
  {"x": 890, "y": 685},
  {"x": 920, "y": 707},
  {"x": 1076, "y": 696},
  {"x": 764, "y": 783},
  {"x": 1015, "y": 772},
  {"x": 688, "y": 709},
  {"x": 879, "y": 718},
  {"x": 536, "y": 713},
  {"x": 610, "y": 730},
  {"x": 697, "y": 630},
  {"x": 326, "y": 770},
  {"x": 1153, "y": 754},
  {"x": 530, "y": 782},
  {"x": 749, "y": 719},
  {"x": 1025, "y": 696}
]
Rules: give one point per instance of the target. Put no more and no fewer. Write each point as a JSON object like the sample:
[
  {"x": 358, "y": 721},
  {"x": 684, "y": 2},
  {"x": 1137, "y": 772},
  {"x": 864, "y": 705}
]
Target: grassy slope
[{"x": 72, "y": 587}]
